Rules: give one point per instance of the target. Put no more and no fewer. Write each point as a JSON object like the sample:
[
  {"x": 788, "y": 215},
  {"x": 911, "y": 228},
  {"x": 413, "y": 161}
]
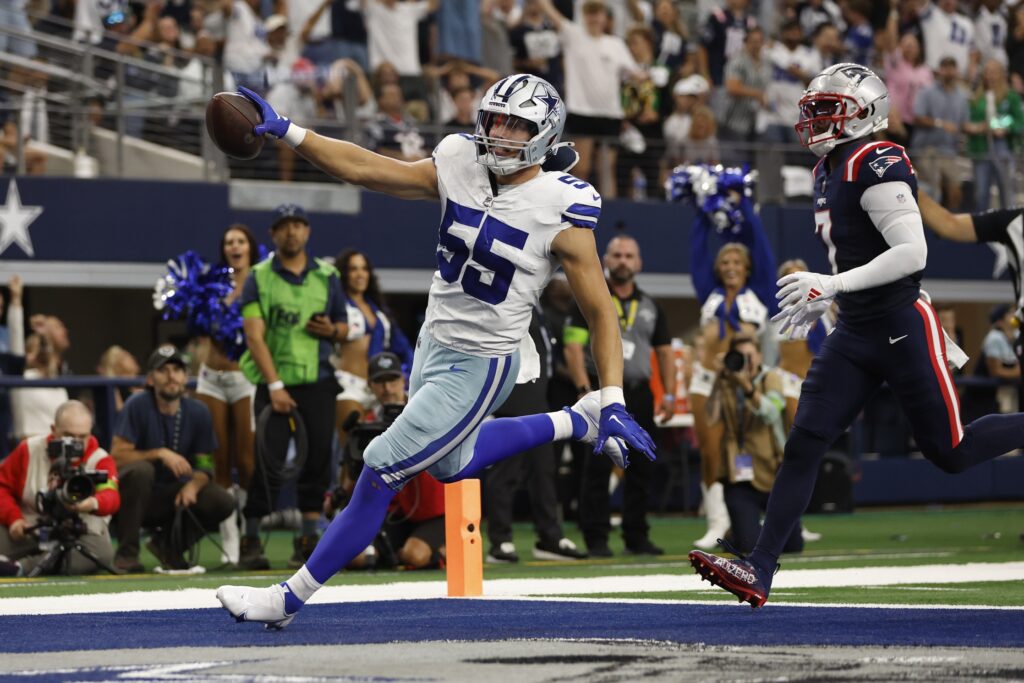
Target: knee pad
[
  {"x": 377, "y": 453},
  {"x": 803, "y": 446}
]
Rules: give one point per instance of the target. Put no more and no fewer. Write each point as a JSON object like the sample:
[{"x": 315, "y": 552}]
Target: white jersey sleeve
[{"x": 494, "y": 250}]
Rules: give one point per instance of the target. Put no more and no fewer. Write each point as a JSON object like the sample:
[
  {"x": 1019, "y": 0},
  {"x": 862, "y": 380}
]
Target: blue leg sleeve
[
  {"x": 354, "y": 528},
  {"x": 505, "y": 437}
]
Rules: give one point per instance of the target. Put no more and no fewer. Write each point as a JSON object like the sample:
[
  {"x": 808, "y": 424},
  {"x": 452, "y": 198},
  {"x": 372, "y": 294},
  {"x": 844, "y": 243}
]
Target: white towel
[{"x": 529, "y": 361}]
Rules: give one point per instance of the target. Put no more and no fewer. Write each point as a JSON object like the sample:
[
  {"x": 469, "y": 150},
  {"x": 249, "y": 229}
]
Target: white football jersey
[
  {"x": 749, "y": 308},
  {"x": 494, "y": 254}
]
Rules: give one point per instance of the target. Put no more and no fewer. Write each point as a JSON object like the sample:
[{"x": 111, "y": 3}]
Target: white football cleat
[
  {"x": 589, "y": 408},
  {"x": 262, "y": 605}
]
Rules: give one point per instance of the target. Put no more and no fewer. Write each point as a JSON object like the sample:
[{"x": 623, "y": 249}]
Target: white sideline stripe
[{"x": 198, "y": 598}]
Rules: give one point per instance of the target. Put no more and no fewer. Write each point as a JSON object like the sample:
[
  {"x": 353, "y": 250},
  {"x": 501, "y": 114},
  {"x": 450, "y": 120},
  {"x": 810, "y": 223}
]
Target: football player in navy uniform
[{"x": 866, "y": 214}]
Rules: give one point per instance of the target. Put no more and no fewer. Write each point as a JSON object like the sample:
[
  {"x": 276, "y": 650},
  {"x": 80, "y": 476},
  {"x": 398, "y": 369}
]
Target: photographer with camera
[
  {"x": 413, "y": 533},
  {"x": 754, "y": 403},
  {"x": 57, "y": 492},
  {"x": 164, "y": 444}
]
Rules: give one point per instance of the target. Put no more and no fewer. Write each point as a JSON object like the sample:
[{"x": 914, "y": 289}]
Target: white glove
[
  {"x": 798, "y": 324},
  {"x": 797, "y": 290}
]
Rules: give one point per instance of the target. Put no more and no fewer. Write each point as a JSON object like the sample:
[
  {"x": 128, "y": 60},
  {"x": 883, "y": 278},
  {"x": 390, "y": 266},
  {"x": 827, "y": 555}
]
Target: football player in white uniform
[{"x": 507, "y": 224}]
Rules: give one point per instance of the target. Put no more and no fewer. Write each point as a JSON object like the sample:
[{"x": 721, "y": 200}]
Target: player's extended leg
[
  {"x": 921, "y": 380},
  {"x": 835, "y": 390},
  {"x": 420, "y": 439}
]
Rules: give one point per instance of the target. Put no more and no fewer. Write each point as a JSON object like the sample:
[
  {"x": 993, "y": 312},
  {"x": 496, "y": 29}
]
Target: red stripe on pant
[{"x": 937, "y": 354}]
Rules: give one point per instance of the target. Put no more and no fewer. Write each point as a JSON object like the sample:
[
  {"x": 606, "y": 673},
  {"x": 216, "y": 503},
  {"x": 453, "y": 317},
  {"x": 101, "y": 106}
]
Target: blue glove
[
  {"x": 273, "y": 124},
  {"x": 617, "y": 432}
]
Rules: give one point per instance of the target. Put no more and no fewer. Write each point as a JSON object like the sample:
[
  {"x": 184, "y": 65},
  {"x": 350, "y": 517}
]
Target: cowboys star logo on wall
[
  {"x": 882, "y": 164},
  {"x": 14, "y": 221}
]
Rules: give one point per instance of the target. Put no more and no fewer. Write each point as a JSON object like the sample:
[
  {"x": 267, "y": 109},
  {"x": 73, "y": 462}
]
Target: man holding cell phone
[{"x": 293, "y": 311}]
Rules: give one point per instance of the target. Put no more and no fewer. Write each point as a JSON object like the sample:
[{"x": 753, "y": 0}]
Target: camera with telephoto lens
[
  {"x": 71, "y": 483},
  {"x": 734, "y": 361},
  {"x": 360, "y": 434}
]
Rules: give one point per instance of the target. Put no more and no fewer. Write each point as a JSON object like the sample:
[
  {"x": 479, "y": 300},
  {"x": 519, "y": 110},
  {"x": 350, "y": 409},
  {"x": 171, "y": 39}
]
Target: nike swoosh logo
[
  {"x": 453, "y": 368},
  {"x": 616, "y": 419},
  {"x": 893, "y": 341},
  {"x": 596, "y": 197},
  {"x": 882, "y": 150}
]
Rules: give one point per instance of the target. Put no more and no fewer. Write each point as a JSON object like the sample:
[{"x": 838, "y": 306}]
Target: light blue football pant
[{"x": 450, "y": 395}]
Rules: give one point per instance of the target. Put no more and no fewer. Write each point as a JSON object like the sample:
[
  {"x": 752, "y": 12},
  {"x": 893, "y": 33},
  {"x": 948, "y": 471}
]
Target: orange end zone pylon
[{"x": 463, "y": 543}]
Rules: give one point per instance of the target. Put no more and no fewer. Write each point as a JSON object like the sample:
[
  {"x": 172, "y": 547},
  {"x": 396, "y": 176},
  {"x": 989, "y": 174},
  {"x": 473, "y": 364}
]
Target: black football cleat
[{"x": 739, "y": 576}]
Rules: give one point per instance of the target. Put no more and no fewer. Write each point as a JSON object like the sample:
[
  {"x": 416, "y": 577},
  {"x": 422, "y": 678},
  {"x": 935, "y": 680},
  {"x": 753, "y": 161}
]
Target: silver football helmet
[
  {"x": 519, "y": 123},
  {"x": 842, "y": 103}
]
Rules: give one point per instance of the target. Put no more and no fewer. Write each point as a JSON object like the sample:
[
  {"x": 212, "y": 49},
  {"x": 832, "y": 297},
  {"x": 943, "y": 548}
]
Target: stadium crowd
[{"x": 648, "y": 85}]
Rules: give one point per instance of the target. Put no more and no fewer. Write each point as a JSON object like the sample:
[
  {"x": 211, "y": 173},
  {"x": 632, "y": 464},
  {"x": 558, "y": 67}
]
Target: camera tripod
[{"x": 58, "y": 557}]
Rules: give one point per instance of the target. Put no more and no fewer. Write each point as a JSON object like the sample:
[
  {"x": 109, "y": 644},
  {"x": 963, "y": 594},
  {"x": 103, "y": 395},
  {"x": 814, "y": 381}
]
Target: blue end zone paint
[{"x": 422, "y": 620}]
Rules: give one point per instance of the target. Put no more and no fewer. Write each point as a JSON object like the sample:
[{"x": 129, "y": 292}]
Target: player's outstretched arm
[
  {"x": 958, "y": 227},
  {"x": 346, "y": 161},
  {"x": 577, "y": 251}
]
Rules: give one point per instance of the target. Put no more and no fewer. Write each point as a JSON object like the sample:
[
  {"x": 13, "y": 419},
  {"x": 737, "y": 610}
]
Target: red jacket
[
  {"x": 25, "y": 471},
  {"x": 422, "y": 499}
]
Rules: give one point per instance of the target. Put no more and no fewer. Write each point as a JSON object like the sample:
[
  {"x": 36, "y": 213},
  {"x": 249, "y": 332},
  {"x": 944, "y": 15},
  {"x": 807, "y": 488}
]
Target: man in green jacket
[{"x": 293, "y": 310}]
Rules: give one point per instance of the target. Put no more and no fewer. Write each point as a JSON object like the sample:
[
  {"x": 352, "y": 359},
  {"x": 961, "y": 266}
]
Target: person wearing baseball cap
[
  {"x": 686, "y": 94},
  {"x": 163, "y": 446},
  {"x": 293, "y": 311}
]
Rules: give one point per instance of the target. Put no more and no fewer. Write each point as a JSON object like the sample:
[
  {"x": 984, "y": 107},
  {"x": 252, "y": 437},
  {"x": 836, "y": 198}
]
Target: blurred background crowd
[{"x": 648, "y": 85}]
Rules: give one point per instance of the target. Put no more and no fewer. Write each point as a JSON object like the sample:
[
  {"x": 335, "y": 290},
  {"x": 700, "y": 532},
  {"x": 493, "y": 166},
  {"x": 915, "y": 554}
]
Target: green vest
[{"x": 286, "y": 308}]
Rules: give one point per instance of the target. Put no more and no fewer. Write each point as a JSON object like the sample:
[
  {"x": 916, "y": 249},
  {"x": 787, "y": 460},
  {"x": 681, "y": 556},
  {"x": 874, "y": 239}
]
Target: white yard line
[{"x": 194, "y": 598}]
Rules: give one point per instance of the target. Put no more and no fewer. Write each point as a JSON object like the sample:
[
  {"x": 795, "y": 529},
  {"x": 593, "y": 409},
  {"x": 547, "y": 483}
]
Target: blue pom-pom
[
  {"x": 709, "y": 188},
  {"x": 195, "y": 292}
]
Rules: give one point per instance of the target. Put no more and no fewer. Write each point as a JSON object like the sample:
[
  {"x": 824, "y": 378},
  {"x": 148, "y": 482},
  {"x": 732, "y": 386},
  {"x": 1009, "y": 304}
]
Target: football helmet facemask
[
  {"x": 842, "y": 103},
  {"x": 519, "y": 124}
]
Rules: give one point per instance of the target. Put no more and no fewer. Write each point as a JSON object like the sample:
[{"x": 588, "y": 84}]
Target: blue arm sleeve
[
  {"x": 702, "y": 264},
  {"x": 762, "y": 279}
]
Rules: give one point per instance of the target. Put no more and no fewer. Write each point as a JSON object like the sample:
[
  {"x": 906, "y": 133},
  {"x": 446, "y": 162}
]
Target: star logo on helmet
[{"x": 550, "y": 101}]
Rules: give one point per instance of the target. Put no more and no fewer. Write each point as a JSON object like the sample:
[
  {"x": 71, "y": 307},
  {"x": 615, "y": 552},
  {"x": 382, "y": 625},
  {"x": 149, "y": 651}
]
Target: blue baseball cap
[{"x": 289, "y": 212}]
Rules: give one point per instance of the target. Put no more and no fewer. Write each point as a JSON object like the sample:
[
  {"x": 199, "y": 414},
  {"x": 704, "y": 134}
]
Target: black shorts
[
  {"x": 430, "y": 532},
  {"x": 593, "y": 126}
]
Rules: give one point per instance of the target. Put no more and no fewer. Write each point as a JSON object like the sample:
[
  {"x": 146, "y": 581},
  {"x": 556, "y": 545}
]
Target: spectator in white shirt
[
  {"x": 32, "y": 409},
  {"x": 687, "y": 94},
  {"x": 990, "y": 31},
  {"x": 947, "y": 33},
  {"x": 245, "y": 45},
  {"x": 392, "y": 35},
  {"x": 596, "y": 64},
  {"x": 790, "y": 63}
]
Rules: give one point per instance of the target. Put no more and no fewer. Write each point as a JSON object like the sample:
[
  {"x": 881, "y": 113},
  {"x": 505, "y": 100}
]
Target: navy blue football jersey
[{"x": 846, "y": 229}]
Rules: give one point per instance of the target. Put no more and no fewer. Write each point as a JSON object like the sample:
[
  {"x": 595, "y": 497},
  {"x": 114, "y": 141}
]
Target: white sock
[
  {"x": 563, "y": 424},
  {"x": 303, "y": 584}
]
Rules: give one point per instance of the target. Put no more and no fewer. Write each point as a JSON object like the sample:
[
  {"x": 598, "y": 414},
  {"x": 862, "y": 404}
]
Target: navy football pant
[{"x": 905, "y": 348}]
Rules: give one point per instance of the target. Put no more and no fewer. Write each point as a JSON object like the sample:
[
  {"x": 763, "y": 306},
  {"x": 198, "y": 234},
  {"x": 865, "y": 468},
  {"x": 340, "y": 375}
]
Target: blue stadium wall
[{"x": 143, "y": 221}]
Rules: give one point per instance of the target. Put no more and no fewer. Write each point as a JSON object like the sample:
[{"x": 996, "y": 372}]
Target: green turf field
[{"x": 865, "y": 539}]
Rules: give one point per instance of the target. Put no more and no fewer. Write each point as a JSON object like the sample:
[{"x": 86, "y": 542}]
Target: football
[{"x": 230, "y": 118}]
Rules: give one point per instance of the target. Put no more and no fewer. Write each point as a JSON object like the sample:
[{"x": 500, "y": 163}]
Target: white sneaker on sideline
[
  {"x": 808, "y": 535},
  {"x": 262, "y": 605},
  {"x": 230, "y": 539},
  {"x": 717, "y": 516}
]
